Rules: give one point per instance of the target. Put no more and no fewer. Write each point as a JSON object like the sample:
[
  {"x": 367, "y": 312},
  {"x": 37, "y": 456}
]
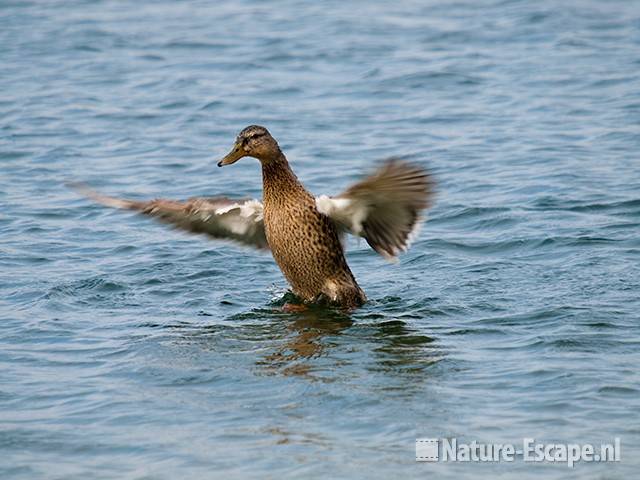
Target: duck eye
[{"x": 246, "y": 140}]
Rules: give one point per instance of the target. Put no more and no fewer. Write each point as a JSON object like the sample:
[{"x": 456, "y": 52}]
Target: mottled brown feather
[
  {"x": 305, "y": 243},
  {"x": 217, "y": 217}
]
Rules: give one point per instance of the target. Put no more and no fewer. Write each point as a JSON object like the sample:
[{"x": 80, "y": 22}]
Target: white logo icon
[{"x": 426, "y": 449}]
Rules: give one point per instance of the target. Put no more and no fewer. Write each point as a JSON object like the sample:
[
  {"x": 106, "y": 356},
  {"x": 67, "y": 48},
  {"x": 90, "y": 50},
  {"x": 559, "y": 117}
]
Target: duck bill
[{"x": 232, "y": 157}]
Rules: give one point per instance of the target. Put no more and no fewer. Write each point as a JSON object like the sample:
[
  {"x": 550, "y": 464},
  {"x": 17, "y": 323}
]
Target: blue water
[{"x": 131, "y": 351}]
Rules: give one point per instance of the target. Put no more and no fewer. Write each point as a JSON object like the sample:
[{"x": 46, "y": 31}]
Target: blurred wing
[
  {"x": 384, "y": 208},
  {"x": 219, "y": 217}
]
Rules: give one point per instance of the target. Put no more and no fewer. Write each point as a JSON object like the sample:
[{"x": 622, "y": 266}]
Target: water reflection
[
  {"x": 306, "y": 339},
  {"x": 323, "y": 343}
]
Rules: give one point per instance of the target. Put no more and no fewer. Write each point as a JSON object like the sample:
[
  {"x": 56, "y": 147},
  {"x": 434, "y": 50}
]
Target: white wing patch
[
  {"x": 345, "y": 211},
  {"x": 240, "y": 218},
  {"x": 248, "y": 209}
]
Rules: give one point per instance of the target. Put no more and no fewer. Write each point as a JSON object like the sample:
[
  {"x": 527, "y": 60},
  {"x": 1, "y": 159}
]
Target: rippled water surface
[{"x": 128, "y": 350}]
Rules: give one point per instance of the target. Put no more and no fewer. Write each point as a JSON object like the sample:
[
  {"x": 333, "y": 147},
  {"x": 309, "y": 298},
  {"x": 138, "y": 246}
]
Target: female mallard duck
[{"x": 303, "y": 232}]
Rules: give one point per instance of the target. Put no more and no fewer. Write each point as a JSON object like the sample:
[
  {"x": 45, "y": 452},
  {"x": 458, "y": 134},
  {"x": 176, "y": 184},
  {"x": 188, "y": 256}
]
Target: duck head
[{"x": 254, "y": 141}]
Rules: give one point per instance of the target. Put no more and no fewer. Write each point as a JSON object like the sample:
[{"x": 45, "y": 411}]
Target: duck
[{"x": 305, "y": 234}]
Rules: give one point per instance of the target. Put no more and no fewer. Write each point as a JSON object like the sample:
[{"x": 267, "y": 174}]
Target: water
[{"x": 128, "y": 350}]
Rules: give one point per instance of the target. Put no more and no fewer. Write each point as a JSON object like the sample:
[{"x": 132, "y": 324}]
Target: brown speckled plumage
[
  {"x": 304, "y": 242},
  {"x": 303, "y": 232}
]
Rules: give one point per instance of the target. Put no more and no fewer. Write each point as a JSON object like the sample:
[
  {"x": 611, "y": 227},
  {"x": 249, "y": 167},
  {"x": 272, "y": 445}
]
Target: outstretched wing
[
  {"x": 219, "y": 217},
  {"x": 384, "y": 208}
]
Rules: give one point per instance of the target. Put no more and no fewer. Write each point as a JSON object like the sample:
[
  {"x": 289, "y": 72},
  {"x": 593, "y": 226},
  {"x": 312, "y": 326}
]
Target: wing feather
[
  {"x": 218, "y": 217},
  {"x": 386, "y": 208}
]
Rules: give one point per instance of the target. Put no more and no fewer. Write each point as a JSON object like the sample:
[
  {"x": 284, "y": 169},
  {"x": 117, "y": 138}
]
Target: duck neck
[{"x": 278, "y": 178}]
